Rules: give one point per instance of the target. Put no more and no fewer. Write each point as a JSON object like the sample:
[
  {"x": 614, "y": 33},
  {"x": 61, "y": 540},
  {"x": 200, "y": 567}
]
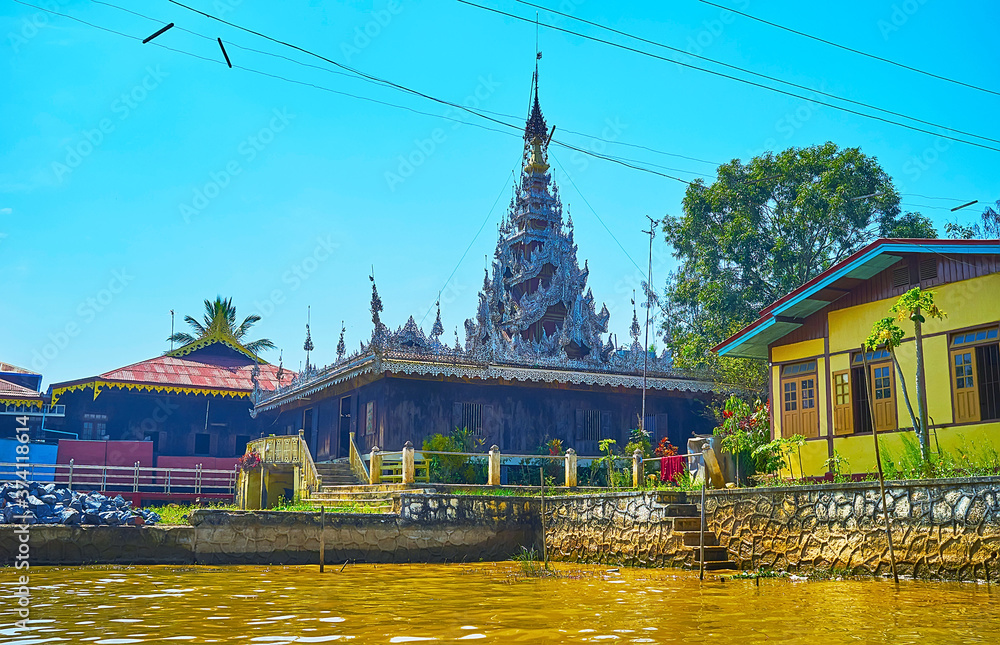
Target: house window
[
  {"x": 472, "y": 418},
  {"x": 370, "y": 418},
  {"x": 798, "y": 396},
  {"x": 202, "y": 443},
  {"x": 878, "y": 399},
  {"x": 591, "y": 427},
  {"x": 975, "y": 375},
  {"x": 95, "y": 426}
]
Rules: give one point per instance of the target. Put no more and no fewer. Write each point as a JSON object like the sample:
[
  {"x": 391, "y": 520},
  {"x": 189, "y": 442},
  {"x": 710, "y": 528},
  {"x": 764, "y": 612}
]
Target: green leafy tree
[
  {"x": 220, "y": 316},
  {"x": 759, "y": 231},
  {"x": 988, "y": 226}
]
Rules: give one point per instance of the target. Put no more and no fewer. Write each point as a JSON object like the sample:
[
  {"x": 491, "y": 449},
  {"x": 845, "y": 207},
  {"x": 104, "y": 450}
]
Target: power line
[
  {"x": 403, "y": 88},
  {"x": 738, "y": 79},
  {"x": 852, "y": 50},
  {"x": 594, "y": 211},
  {"x": 474, "y": 238},
  {"x": 753, "y": 73},
  {"x": 382, "y": 83},
  {"x": 633, "y": 164}
]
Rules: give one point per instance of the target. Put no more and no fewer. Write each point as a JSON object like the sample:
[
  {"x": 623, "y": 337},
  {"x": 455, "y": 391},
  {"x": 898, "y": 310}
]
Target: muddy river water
[{"x": 486, "y": 603}]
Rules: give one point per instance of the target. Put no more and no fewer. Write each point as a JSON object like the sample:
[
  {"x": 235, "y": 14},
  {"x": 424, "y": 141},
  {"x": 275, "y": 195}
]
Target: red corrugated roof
[
  {"x": 10, "y": 390},
  {"x": 194, "y": 370}
]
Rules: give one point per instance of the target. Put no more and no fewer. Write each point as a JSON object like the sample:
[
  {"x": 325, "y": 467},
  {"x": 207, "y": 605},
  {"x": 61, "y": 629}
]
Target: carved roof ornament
[{"x": 341, "y": 347}]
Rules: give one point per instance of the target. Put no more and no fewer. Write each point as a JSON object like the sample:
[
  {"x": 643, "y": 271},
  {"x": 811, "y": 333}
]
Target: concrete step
[
  {"x": 692, "y": 538},
  {"x": 721, "y": 565},
  {"x": 686, "y": 523},
  {"x": 712, "y": 554},
  {"x": 670, "y": 497},
  {"x": 682, "y": 510}
]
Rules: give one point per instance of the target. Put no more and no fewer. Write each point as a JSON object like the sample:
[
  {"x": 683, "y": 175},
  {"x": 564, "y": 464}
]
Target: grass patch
[{"x": 180, "y": 514}]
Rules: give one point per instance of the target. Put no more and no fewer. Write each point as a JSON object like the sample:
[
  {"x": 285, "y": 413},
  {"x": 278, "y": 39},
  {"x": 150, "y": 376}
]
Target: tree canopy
[
  {"x": 220, "y": 314},
  {"x": 762, "y": 229}
]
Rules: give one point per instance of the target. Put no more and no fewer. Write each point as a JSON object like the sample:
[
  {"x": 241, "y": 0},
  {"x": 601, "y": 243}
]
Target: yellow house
[{"x": 812, "y": 340}]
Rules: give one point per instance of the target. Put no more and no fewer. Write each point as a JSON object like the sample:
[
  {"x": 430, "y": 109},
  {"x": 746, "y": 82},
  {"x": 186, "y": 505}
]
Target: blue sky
[{"x": 135, "y": 180}]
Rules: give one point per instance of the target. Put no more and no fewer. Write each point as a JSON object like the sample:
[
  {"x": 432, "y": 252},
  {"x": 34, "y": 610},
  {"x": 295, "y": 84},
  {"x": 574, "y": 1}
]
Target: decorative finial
[
  {"x": 378, "y": 330},
  {"x": 341, "y": 347},
  {"x": 438, "y": 328},
  {"x": 281, "y": 369},
  {"x": 308, "y": 345},
  {"x": 634, "y": 329}
]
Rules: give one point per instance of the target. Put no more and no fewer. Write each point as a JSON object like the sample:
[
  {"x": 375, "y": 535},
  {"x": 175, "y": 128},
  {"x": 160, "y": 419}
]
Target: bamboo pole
[
  {"x": 322, "y": 537},
  {"x": 545, "y": 553},
  {"x": 878, "y": 464},
  {"x": 701, "y": 541}
]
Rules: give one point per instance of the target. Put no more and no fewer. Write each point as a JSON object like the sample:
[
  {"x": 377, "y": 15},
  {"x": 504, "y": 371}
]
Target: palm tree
[{"x": 220, "y": 316}]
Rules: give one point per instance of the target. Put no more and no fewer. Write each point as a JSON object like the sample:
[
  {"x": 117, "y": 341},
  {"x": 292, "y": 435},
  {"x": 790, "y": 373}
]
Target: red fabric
[{"x": 671, "y": 468}]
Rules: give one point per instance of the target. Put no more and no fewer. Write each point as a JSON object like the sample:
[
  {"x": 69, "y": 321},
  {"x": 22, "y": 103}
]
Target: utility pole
[{"x": 649, "y": 303}]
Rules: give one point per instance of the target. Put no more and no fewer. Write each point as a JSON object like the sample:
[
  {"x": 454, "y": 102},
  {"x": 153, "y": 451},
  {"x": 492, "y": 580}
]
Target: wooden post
[
  {"x": 636, "y": 469},
  {"x": 493, "y": 478},
  {"x": 545, "y": 553},
  {"x": 878, "y": 463},
  {"x": 322, "y": 537},
  {"x": 701, "y": 540},
  {"x": 375, "y": 467},
  {"x": 409, "y": 468},
  {"x": 571, "y": 468}
]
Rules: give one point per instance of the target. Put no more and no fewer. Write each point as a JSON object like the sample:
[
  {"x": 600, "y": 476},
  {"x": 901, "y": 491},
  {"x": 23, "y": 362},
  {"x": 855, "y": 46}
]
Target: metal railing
[{"x": 126, "y": 479}]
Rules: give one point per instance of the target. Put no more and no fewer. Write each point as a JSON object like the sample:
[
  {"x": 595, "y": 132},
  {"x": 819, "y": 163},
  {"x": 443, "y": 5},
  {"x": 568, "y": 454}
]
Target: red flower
[{"x": 726, "y": 414}]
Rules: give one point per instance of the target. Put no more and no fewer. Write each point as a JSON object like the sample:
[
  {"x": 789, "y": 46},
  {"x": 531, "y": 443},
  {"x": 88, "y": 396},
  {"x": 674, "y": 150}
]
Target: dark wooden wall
[{"x": 517, "y": 418}]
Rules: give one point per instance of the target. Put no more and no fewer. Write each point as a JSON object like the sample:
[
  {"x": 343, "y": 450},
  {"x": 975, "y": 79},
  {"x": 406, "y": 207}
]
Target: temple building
[
  {"x": 535, "y": 364},
  {"x": 193, "y": 401}
]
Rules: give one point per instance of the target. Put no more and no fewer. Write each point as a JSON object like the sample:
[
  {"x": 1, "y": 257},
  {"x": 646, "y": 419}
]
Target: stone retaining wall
[
  {"x": 428, "y": 528},
  {"x": 940, "y": 528},
  {"x": 629, "y": 529}
]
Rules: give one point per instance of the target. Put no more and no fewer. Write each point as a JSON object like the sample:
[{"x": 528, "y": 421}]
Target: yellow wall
[
  {"x": 968, "y": 303},
  {"x": 797, "y": 351},
  {"x": 860, "y": 450}
]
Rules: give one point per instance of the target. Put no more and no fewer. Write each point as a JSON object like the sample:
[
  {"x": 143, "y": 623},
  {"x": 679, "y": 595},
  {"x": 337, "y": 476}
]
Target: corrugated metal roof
[
  {"x": 781, "y": 316},
  {"x": 15, "y": 391},
  {"x": 220, "y": 372}
]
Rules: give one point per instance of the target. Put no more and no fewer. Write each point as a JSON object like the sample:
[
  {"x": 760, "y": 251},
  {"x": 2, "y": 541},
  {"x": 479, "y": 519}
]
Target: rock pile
[{"x": 37, "y": 503}]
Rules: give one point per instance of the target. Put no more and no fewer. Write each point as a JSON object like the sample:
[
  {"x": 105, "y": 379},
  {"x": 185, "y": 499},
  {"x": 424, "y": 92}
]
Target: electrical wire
[
  {"x": 614, "y": 159},
  {"x": 753, "y": 73},
  {"x": 735, "y": 78},
  {"x": 852, "y": 50},
  {"x": 469, "y": 247}
]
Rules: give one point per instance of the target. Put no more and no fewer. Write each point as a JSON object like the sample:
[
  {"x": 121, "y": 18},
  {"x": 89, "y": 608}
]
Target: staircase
[
  {"x": 686, "y": 520},
  {"x": 341, "y": 488},
  {"x": 337, "y": 473}
]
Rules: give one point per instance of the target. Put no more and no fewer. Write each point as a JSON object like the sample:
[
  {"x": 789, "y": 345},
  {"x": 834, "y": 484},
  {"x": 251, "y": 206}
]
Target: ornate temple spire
[
  {"x": 308, "y": 345},
  {"x": 341, "y": 347},
  {"x": 378, "y": 329},
  {"x": 438, "y": 328},
  {"x": 535, "y": 128},
  {"x": 534, "y": 300}
]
